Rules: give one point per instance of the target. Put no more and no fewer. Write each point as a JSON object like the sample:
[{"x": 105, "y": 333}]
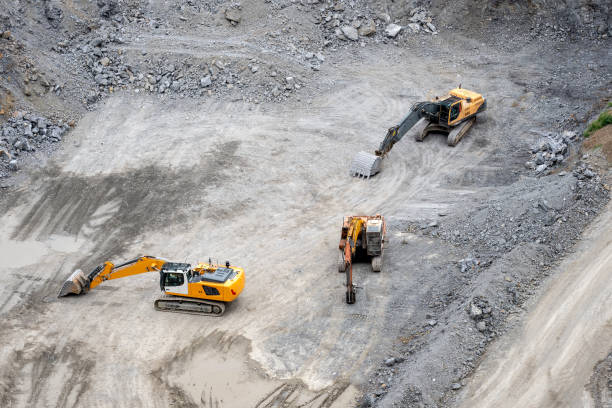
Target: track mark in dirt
[
  {"x": 216, "y": 371},
  {"x": 288, "y": 395},
  {"x": 45, "y": 375},
  {"x": 112, "y": 210}
]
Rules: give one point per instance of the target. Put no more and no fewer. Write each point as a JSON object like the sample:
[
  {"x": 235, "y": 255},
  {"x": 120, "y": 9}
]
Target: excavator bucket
[
  {"x": 75, "y": 284},
  {"x": 365, "y": 165}
]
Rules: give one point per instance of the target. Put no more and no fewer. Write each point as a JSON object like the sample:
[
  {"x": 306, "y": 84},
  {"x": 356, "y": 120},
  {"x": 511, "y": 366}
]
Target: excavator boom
[
  {"x": 80, "y": 282},
  {"x": 418, "y": 111},
  {"x": 367, "y": 164}
]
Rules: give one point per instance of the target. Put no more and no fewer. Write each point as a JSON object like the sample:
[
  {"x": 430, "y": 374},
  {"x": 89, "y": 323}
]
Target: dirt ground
[
  {"x": 241, "y": 184},
  {"x": 548, "y": 360},
  {"x": 254, "y": 170}
]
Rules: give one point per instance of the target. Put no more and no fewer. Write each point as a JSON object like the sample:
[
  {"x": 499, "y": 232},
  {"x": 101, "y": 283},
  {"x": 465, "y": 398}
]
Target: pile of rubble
[
  {"x": 480, "y": 312},
  {"x": 552, "y": 149},
  {"x": 25, "y": 133},
  {"x": 112, "y": 70},
  {"x": 420, "y": 20},
  {"x": 527, "y": 212},
  {"x": 354, "y": 23}
]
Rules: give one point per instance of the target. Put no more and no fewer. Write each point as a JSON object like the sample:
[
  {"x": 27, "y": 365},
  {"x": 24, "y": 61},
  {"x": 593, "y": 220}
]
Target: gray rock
[
  {"x": 455, "y": 386},
  {"x": 367, "y": 28},
  {"x": 23, "y": 144},
  {"x": 418, "y": 17},
  {"x": 9, "y": 133},
  {"x": 588, "y": 173},
  {"x": 481, "y": 326},
  {"x": 390, "y": 362},
  {"x": 350, "y": 33},
  {"x": 392, "y": 30},
  {"x": 101, "y": 79},
  {"x": 54, "y": 15},
  {"x": 175, "y": 86},
  {"x": 27, "y": 129},
  {"x": 384, "y": 17},
  {"x": 569, "y": 134},
  {"x": 432, "y": 322},
  {"x": 539, "y": 158},
  {"x": 368, "y": 400},
  {"x": 475, "y": 311},
  {"x": 431, "y": 27},
  {"x": 541, "y": 168},
  {"x": 205, "y": 81},
  {"x": 233, "y": 15},
  {"x": 12, "y": 165},
  {"x": 467, "y": 264},
  {"x": 104, "y": 61},
  {"x": 92, "y": 97},
  {"x": 414, "y": 27},
  {"x": 56, "y": 133},
  {"x": 18, "y": 145}
]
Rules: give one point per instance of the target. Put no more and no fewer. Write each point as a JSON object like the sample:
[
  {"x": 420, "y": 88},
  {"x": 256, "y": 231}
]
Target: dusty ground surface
[
  {"x": 253, "y": 168},
  {"x": 548, "y": 361}
]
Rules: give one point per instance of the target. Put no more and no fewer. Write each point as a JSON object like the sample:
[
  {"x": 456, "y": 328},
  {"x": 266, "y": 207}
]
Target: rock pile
[
  {"x": 25, "y": 133},
  {"x": 354, "y": 22},
  {"x": 550, "y": 150},
  {"x": 420, "y": 20},
  {"x": 529, "y": 212},
  {"x": 111, "y": 72},
  {"x": 480, "y": 312}
]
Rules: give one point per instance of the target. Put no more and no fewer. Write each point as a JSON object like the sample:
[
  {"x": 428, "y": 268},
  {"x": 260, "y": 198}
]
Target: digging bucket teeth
[
  {"x": 75, "y": 284},
  {"x": 365, "y": 165}
]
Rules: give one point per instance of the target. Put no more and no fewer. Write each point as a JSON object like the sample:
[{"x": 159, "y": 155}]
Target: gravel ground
[{"x": 229, "y": 128}]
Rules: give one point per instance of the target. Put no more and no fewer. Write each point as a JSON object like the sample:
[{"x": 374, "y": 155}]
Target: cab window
[
  {"x": 174, "y": 279},
  {"x": 454, "y": 112}
]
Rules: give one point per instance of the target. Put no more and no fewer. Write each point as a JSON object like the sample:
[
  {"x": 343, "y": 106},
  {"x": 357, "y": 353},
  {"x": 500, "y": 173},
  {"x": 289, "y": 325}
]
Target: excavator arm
[
  {"x": 350, "y": 247},
  {"x": 367, "y": 164},
  {"x": 80, "y": 282},
  {"x": 397, "y": 132}
]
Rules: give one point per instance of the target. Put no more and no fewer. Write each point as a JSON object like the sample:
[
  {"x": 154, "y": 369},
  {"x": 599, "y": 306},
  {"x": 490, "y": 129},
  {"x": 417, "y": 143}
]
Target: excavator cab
[
  {"x": 174, "y": 277},
  {"x": 454, "y": 112}
]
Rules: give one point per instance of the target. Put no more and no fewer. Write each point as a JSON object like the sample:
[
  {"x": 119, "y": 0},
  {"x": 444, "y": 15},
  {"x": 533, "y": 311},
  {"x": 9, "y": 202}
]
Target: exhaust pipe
[{"x": 75, "y": 284}]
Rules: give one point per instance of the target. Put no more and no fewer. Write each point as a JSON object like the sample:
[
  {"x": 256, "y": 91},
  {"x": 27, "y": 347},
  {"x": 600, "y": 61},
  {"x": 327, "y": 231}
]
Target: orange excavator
[
  {"x": 204, "y": 289},
  {"x": 362, "y": 236}
]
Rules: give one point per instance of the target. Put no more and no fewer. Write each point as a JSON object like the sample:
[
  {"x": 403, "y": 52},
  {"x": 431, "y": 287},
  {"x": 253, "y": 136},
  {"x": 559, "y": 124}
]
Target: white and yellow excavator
[{"x": 204, "y": 289}]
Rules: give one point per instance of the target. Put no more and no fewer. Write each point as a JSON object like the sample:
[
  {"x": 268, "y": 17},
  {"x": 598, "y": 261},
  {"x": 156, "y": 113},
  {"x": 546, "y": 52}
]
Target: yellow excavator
[
  {"x": 453, "y": 114},
  {"x": 362, "y": 236},
  {"x": 204, "y": 289}
]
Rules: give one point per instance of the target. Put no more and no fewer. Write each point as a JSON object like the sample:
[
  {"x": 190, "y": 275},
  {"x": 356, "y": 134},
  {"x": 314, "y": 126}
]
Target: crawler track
[{"x": 179, "y": 304}]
